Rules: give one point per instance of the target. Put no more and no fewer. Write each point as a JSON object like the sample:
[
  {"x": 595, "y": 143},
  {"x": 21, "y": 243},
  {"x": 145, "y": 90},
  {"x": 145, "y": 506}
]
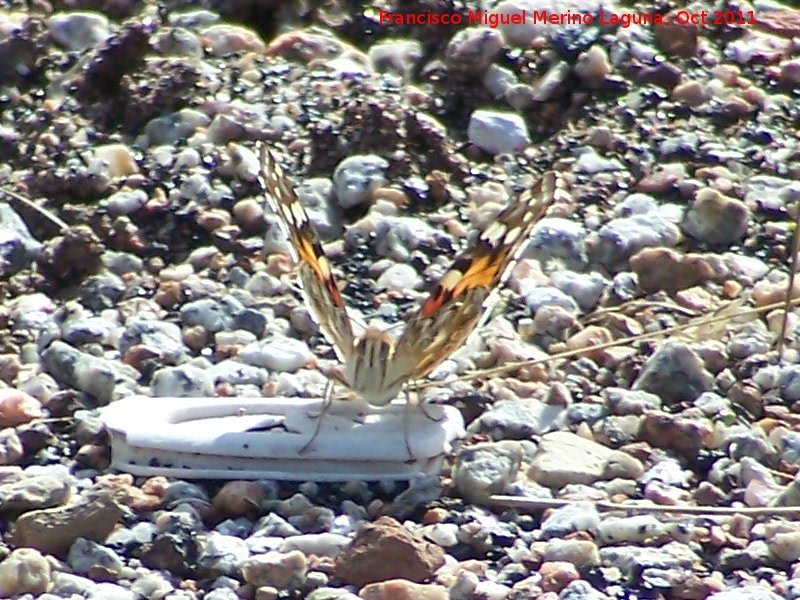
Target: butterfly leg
[
  {"x": 406, "y": 411},
  {"x": 421, "y": 406},
  {"x": 326, "y": 404},
  {"x": 438, "y": 419}
]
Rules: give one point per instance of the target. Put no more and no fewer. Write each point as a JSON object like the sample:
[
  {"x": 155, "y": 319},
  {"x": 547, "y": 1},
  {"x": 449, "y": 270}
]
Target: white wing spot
[
  {"x": 298, "y": 213},
  {"x": 494, "y": 233},
  {"x": 512, "y": 236}
]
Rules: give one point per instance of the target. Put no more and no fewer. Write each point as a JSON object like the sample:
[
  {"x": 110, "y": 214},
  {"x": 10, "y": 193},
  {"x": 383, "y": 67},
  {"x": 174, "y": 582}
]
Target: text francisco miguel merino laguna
[{"x": 485, "y": 17}]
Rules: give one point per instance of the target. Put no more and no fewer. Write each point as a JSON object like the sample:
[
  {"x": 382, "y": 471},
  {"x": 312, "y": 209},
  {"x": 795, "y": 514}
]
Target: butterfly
[{"x": 375, "y": 364}]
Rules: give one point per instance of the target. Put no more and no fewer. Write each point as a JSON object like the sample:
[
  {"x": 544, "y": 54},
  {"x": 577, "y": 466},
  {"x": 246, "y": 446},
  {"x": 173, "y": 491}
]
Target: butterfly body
[{"x": 375, "y": 364}]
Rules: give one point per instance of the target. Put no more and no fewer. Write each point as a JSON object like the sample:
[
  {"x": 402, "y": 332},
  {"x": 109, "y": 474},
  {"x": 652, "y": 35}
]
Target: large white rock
[{"x": 497, "y": 132}]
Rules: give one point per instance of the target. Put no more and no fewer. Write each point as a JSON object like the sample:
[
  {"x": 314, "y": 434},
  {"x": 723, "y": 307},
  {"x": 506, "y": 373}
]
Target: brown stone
[
  {"x": 237, "y": 498},
  {"x": 385, "y": 550},
  {"x": 53, "y": 530},
  {"x": 557, "y": 575},
  {"x": 686, "y": 436},
  {"x": 669, "y": 270},
  {"x": 677, "y": 39}
]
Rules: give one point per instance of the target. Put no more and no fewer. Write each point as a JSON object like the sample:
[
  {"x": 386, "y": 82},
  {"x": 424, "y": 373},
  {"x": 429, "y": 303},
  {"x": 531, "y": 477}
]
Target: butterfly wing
[
  {"x": 318, "y": 283},
  {"x": 462, "y": 295}
]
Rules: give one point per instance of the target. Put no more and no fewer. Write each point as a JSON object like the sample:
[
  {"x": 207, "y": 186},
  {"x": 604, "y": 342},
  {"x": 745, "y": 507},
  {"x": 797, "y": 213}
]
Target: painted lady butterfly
[{"x": 375, "y": 364}]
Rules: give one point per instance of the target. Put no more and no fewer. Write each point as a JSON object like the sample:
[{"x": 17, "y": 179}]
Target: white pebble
[
  {"x": 497, "y": 132},
  {"x": 356, "y": 177},
  {"x": 398, "y": 278},
  {"x": 277, "y": 353},
  {"x": 79, "y": 30}
]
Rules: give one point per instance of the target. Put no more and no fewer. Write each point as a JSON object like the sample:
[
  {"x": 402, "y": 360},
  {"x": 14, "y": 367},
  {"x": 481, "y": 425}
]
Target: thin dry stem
[
  {"x": 537, "y": 504},
  {"x": 789, "y": 285},
  {"x": 33, "y": 206},
  {"x": 511, "y": 366}
]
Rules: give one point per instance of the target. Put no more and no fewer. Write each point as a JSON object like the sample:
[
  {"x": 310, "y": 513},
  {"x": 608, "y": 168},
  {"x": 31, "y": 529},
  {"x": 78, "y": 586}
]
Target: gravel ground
[{"x": 137, "y": 257}]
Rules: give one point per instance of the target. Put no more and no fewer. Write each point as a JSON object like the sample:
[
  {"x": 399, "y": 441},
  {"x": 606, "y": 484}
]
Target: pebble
[
  {"x": 102, "y": 291},
  {"x": 356, "y": 178},
  {"x": 385, "y": 550},
  {"x": 569, "y": 519},
  {"x": 118, "y": 159},
  {"x": 184, "y": 381},
  {"x": 126, "y": 202},
  {"x": 473, "y": 49},
  {"x": 655, "y": 266},
  {"x": 591, "y": 163},
  {"x": 561, "y": 239},
  {"x": 581, "y": 553},
  {"x": 631, "y": 560},
  {"x": 557, "y": 575},
  {"x": 35, "y": 492},
  {"x": 101, "y": 378},
  {"x": 565, "y": 458},
  {"x": 621, "y": 238},
  {"x": 276, "y": 569},
  {"x": 497, "y": 132},
  {"x": 110, "y": 591},
  {"x": 746, "y": 592},
  {"x": 18, "y": 248},
  {"x": 585, "y": 288},
  {"x": 224, "y": 39},
  {"x": 17, "y": 407},
  {"x": 211, "y": 314},
  {"x": 400, "y": 589},
  {"x": 716, "y": 219},
  {"x": 399, "y": 278},
  {"x": 318, "y": 544},
  {"x": 396, "y": 55},
  {"x": 159, "y": 339},
  {"x": 171, "y": 128},
  {"x": 675, "y": 374},
  {"x": 519, "y": 420},
  {"x": 24, "y": 571},
  {"x": 486, "y": 469},
  {"x": 277, "y": 353},
  {"x": 222, "y": 555},
  {"x": 88, "y": 557},
  {"x": 79, "y": 30}
]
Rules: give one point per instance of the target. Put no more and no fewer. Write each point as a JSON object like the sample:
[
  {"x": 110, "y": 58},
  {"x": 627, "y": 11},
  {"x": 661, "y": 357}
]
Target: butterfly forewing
[
  {"x": 319, "y": 285},
  {"x": 462, "y": 295}
]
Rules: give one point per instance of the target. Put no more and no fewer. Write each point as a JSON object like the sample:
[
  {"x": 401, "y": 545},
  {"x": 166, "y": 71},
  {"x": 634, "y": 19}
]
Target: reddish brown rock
[
  {"x": 399, "y": 589},
  {"x": 17, "y": 407},
  {"x": 677, "y": 39},
  {"x": 557, "y": 575},
  {"x": 669, "y": 270},
  {"x": 385, "y": 550},
  {"x": 785, "y": 23}
]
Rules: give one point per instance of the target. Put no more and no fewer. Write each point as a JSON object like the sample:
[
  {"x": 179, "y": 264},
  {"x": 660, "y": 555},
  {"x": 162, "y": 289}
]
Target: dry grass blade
[
  {"x": 39, "y": 210},
  {"x": 672, "y": 331},
  {"x": 537, "y": 504},
  {"x": 790, "y": 282},
  {"x": 714, "y": 329},
  {"x": 635, "y": 306}
]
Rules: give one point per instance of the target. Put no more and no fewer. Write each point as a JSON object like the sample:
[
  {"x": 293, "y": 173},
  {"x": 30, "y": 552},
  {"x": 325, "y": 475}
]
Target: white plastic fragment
[{"x": 247, "y": 438}]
